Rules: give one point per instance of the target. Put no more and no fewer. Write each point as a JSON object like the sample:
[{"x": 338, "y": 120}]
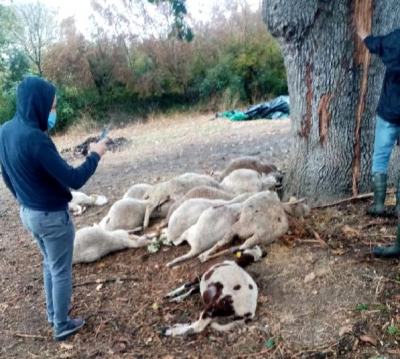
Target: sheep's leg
[
  {"x": 191, "y": 254},
  {"x": 196, "y": 327},
  {"x": 252, "y": 241},
  {"x": 137, "y": 242},
  {"x": 184, "y": 296},
  {"x": 135, "y": 230},
  {"x": 181, "y": 289},
  {"x": 204, "y": 257},
  {"x": 227, "y": 327},
  {"x": 149, "y": 211}
]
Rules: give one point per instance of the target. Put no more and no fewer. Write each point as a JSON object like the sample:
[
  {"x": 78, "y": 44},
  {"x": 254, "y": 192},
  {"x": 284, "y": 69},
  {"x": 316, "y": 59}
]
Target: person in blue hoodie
[
  {"x": 40, "y": 180},
  {"x": 387, "y": 126}
]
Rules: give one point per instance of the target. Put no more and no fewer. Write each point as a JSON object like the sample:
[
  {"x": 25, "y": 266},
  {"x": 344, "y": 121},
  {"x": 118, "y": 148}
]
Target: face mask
[{"x": 51, "y": 121}]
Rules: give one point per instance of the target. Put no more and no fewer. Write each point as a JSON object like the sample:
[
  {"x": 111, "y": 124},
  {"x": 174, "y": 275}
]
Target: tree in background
[
  {"x": 36, "y": 30},
  {"x": 334, "y": 86}
]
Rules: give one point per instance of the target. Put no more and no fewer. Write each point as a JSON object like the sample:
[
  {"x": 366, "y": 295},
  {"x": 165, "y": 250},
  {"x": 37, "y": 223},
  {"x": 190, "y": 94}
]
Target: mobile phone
[{"x": 104, "y": 134}]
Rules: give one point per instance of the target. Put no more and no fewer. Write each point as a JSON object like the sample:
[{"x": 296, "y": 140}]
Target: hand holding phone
[{"x": 104, "y": 134}]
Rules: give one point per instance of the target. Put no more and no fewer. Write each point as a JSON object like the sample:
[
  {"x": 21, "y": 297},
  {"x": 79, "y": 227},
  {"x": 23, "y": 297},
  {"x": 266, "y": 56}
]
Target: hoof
[{"x": 166, "y": 332}]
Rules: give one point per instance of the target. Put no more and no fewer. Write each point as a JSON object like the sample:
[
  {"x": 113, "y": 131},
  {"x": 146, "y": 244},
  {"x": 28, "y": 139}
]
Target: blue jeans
[
  {"x": 386, "y": 135},
  {"x": 54, "y": 233}
]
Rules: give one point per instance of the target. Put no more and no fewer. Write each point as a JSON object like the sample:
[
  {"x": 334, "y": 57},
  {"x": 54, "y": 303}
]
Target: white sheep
[
  {"x": 248, "y": 181},
  {"x": 210, "y": 228},
  {"x": 129, "y": 213},
  {"x": 137, "y": 191},
  {"x": 251, "y": 163},
  {"x": 124, "y": 214},
  {"x": 93, "y": 243},
  {"x": 174, "y": 190},
  {"x": 80, "y": 200},
  {"x": 189, "y": 212},
  {"x": 200, "y": 192},
  {"x": 262, "y": 221},
  {"x": 228, "y": 292}
]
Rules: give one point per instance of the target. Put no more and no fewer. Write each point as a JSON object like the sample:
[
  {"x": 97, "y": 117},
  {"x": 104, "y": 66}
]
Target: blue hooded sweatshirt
[
  {"x": 31, "y": 166},
  {"x": 388, "y": 49}
]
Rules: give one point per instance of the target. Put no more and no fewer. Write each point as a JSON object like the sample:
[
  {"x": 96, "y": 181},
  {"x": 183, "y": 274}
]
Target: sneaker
[{"x": 72, "y": 328}]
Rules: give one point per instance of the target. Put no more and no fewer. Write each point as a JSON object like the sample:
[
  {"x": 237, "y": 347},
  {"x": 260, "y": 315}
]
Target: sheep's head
[
  {"x": 297, "y": 208},
  {"x": 245, "y": 257},
  {"x": 99, "y": 200},
  {"x": 155, "y": 201}
]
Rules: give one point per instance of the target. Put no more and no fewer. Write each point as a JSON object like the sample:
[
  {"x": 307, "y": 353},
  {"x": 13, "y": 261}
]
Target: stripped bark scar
[
  {"x": 324, "y": 118},
  {"x": 307, "y": 119},
  {"x": 363, "y": 15}
]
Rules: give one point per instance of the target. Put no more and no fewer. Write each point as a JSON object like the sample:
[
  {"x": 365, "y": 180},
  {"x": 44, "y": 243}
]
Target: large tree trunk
[{"x": 334, "y": 87}]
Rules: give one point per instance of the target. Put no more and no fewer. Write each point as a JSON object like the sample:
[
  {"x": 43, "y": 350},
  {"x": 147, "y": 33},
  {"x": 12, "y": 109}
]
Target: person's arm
[
  {"x": 7, "y": 180},
  {"x": 386, "y": 47},
  {"x": 71, "y": 177}
]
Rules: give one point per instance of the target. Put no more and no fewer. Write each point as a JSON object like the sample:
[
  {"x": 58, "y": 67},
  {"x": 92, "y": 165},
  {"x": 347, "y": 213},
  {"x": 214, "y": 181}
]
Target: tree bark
[{"x": 334, "y": 87}]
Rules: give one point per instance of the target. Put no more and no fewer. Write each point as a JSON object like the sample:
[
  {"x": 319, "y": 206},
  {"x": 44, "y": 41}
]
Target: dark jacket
[
  {"x": 31, "y": 166},
  {"x": 388, "y": 49}
]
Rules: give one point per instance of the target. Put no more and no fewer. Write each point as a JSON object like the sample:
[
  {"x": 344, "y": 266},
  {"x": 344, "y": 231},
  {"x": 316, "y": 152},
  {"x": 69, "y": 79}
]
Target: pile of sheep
[{"x": 206, "y": 211}]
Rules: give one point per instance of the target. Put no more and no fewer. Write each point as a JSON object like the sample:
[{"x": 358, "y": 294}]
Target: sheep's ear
[
  {"x": 295, "y": 201},
  {"x": 238, "y": 253}
]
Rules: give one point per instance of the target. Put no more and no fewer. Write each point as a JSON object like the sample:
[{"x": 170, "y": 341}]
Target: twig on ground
[
  {"x": 361, "y": 196},
  {"x": 254, "y": 355},
  {"x": 103, "y": 281},
  {"x": 22, "y": 335},
  {"x": 98, "y": 329},
  {"x": 94, "y": 214},
  {"x": 376, "y": 223},
  {"x": 375, "y": 243},
  {"x": 318, "y": 238}
]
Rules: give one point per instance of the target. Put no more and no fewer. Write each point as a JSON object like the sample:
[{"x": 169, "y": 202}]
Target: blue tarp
[{"x": 275, "y": 109}]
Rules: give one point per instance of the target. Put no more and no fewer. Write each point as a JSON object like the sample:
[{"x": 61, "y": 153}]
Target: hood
[{"x": 34, "y": 101}]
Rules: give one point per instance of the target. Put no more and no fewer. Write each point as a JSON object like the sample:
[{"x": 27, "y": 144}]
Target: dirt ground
[{"x": 321, "y": 294}]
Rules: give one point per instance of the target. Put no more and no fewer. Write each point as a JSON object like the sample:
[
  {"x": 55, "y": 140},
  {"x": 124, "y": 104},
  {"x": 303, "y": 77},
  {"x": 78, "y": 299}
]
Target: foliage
[{"x": 232, "y": 61}]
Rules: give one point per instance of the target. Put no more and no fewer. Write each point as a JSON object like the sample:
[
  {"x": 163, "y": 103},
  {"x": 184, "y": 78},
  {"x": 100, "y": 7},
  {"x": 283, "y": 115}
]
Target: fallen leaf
[
  {"x": 309, "y": 277},
  {"x": 338, "y": 252},
  {"x": 270, "y": 343},
  {"x": 101, "y": 265},
  {"x": 348, "y": 329},
  {"x": 155, "y": 306},
  {"x": 350, "y": 232},
  {"x": 67, "y": 346},
  {"x": 368, "y": 339},
  {"x": 262, "y": 299}
]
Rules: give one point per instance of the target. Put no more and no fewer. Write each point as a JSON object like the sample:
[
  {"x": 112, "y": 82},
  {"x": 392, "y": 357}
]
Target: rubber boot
[
  {"x": 389, "y": 252},
  {"x": 397, "y": 209},
  {"x": 379, "y": 186}
]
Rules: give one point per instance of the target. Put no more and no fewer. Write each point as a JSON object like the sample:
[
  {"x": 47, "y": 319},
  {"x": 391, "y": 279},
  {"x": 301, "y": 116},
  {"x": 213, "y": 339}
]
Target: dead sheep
[
  {"x": 80, "y": 200},
  {"x": 128, "y": 214},
  {"x": 174, "y": 190},
  {"x": 251, "y": 163},
  {"x": 210, "y": 228},
  {"x": 137, "y": 191},
  {"x": 262, "y": 221},
  {"x": 200, "y": 192},
  {"x": 228, "y": 293},
  {"x": 93, "y": 243},
  {"x": 189, "y": 213},
  {"x": 250, "y": 181}
]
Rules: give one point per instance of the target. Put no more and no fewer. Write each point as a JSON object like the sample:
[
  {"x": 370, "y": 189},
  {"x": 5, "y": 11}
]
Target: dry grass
[{"x": 124, "y": 320}]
